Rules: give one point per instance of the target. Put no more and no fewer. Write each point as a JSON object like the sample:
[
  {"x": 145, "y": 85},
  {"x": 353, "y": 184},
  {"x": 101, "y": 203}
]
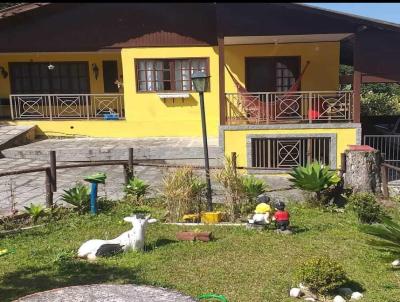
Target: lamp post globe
[{"x": 200, "y": 80}]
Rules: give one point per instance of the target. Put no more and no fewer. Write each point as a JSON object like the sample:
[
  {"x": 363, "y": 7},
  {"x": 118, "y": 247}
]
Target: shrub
[
  {"x": 388, "y": 234},
  {"x": 182, "y": 191},
  {"x": 322, "y": 275},
  {"x": 366, "y": 207},
  {"x": 315, "y": 178},
  {"x": 234, "y": 189},
  {"x": 136, "y": 188},
  {"x": 35, "y": 211},
  {"x": 253, "y": 187},
  {"x": 77, "y": 196}
]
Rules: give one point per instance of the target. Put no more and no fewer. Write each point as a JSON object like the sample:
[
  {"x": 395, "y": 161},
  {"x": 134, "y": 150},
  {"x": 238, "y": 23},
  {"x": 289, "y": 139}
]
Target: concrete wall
[{"x": 235, "y": 138}]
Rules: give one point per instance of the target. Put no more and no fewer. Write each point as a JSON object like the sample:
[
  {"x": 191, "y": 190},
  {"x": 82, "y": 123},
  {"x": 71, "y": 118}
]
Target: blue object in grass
[
  {"x": 111, "y": 116},
  {"x": 93, "y": 198}
]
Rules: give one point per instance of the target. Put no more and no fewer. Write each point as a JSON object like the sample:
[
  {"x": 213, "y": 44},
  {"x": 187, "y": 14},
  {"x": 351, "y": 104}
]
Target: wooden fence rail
[{"x": 128, "y": 164}]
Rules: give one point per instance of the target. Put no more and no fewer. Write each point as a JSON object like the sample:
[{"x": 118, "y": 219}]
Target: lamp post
[{"x": 200, "y": 80}]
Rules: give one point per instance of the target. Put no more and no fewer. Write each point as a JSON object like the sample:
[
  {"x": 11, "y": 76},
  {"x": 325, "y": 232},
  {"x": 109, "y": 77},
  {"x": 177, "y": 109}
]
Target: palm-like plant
[
  {"x": 253, "y": 187},
  {"x": 137, "y": 188},
  {"x": 78, "y": 196},
  {"x": 314, "y": 177},
  {"x": 35, "y": 211},
  {"x": 387, "y": 232}
]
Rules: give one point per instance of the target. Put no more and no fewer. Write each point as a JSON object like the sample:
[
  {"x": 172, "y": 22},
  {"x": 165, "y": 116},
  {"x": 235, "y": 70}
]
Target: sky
[{"x": 384, "y": 11}]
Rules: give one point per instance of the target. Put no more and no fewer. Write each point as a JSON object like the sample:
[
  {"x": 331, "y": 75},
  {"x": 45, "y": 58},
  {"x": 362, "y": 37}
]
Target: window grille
[
  {"x": 168, "y": 74},
  {"x": 285, "y": 153}
]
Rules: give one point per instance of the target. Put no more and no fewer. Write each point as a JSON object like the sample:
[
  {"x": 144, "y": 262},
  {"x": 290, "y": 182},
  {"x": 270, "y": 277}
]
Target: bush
[
  {"x": 388, "y": 234},
  {"x": 253, "y": 187},
  {"x": 234, "y": 189},
  {"x": 314, "y": 177},
  {"x": 35, "y": 211},
  {"x": 77, "y": 196},
  {"x": 322, "y": 275},
  {"x": 136, "y": 188},
  {"x": 366, "y": 207},
  {"x": 182, "y": 192}
]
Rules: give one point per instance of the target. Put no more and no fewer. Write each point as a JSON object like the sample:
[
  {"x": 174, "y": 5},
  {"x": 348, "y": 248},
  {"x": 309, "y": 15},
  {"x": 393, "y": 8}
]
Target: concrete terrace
[{"x": 91, "y": 149}]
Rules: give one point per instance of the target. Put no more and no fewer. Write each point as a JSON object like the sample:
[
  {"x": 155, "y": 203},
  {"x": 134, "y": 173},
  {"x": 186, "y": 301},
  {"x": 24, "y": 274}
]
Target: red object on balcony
[
  {"x": 313, "y": 114},
  {"x": 365, "y": 148}
]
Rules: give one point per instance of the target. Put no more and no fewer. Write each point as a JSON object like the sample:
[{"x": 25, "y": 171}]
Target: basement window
[
  {"x": 286, "y": 153},
  {"x": 168, "y": 75}
]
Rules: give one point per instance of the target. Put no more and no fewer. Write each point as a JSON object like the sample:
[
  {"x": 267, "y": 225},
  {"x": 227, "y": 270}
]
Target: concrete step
[
  {"x": 11, "y": 136},
  {"x": 179, "y": 150}
]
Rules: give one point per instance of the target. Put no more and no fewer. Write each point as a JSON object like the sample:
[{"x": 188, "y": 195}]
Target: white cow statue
[{"x": 130, "y": 240}]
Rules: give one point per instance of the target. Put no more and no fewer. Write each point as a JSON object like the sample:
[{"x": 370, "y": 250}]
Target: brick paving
[{"x": 86, "y": 149}]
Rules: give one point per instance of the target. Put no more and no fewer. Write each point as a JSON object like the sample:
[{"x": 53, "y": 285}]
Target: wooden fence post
[
  {"x": 53, "y": 171},
  {"x": 234, "y": 162},
  {"x": 126, "y": 173},
  {"x": 130, "y": 162},
  {"x": 384, "y": 177},
  {"x": 49, "y": 191},
  {"x": 342, "y": 163}
]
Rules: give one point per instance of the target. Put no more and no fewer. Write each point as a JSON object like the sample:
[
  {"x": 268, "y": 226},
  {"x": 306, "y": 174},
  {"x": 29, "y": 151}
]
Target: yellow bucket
[{"x": 211, "y": 217}]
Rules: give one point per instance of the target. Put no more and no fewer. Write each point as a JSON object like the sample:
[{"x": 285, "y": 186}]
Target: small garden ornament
[
  {"x": 130, "y": 240},
  {"x": 281, "y": 217},
  {"x": 262, "y": 211}
]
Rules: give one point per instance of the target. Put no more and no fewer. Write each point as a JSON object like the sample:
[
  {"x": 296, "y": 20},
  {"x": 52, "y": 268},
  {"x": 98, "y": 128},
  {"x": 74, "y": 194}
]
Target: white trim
[{"x": 173, "y": 95}]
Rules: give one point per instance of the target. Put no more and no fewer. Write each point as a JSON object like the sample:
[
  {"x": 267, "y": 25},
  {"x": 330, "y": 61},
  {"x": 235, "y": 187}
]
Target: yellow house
[{"x": 124, "y": 70}]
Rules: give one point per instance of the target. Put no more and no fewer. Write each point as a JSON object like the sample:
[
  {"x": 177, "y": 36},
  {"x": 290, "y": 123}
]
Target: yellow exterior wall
[
  {"x": 235, "y": 141},
  {"x": 148, "y": 115},
  {"x": 322, "y": 73},
  {"x": 156, "y": 117},
  {"x": 96, "y": 86}
]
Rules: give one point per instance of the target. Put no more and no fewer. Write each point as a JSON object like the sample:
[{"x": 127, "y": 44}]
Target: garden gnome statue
[
  {"x": 281, "y": 217},
  {"x": 262, "y": 211}
]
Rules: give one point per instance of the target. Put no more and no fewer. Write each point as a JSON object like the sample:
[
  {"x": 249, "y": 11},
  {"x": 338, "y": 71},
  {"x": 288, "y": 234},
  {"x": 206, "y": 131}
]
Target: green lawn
[{"x": 243, "y": 265}]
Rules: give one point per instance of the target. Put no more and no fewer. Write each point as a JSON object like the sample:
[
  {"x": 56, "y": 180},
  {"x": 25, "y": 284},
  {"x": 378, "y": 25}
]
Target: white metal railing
[
  {"x": 270, "y": 107},
  {"x": 66, "y": 106}
]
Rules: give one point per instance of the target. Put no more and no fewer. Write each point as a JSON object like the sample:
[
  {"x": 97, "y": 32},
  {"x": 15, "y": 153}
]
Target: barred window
[
  {"x": 168, "y": 74},
  {"x": 277, "y": 153}
]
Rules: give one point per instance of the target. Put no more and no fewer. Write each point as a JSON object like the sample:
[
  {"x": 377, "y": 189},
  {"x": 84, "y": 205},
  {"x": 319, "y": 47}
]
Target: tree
[{"x": 376, "y": 98}]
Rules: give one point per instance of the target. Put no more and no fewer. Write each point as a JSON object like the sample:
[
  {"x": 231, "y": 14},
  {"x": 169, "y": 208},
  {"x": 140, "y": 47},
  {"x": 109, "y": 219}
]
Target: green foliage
[
  {"x": 322, "y": 275},
  {"x": 78, "y": 196},
  {"x": 35, "y": 211},
  {"x": 253, "y": 187},
  {"x": 387, "y": 232},
  {"x": 137, "y": 188},
  {"x": 366, "y": 207},
  {"x": 182, "y": 191},
  {"x": 314, "y": 177},
  {"x": 380, "y": 99},
  {"x": 234, "y": 189}
]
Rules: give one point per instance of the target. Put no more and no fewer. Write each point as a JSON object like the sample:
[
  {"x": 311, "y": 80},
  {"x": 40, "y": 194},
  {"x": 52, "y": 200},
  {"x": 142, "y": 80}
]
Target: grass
[{"x": 244, "y": 265}]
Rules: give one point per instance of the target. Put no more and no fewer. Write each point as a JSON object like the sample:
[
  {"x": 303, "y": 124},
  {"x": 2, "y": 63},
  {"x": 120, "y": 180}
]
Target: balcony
[
  {"x": 263, "y": 108},
  {"x": 66, "y": 106}
]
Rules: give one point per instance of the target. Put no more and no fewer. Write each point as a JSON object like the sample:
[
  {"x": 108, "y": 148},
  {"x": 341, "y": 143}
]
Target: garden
[{"x": 341, "y": 245}]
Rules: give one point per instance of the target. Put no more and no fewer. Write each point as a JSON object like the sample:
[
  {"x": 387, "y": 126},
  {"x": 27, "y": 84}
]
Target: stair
[{"x": 11, "y": 136}]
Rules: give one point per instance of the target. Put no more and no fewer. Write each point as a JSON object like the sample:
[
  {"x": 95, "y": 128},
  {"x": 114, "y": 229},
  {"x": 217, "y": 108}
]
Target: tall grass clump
[
  {"x": 234, "y": 188},
  {"x": 182, "y": 192}
]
